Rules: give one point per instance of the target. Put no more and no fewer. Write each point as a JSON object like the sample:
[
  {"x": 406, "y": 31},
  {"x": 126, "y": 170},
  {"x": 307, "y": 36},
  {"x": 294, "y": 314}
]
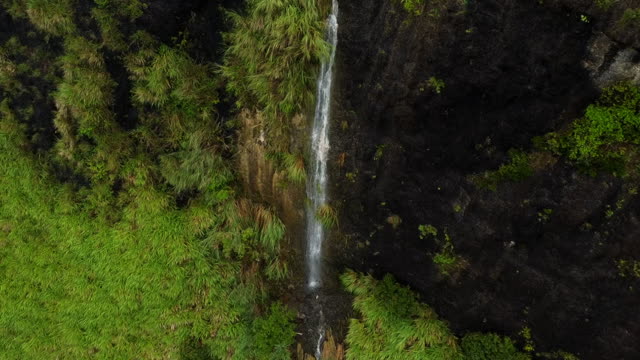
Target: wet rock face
[{"x": 541, "y": 253}]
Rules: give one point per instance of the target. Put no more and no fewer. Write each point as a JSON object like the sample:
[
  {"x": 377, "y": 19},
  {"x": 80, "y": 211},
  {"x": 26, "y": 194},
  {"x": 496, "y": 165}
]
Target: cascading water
[{"x": 318, "y": 177}]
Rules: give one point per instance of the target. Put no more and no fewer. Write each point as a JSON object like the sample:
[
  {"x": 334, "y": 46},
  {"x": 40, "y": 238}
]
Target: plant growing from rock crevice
[{"x": 327, "y": 215}]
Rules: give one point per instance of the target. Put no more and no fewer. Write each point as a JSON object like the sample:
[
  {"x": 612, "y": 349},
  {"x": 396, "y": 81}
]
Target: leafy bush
[
  {"x": 131, "y": 9},
  {"x": 436, "y": 84},
  {"x": 274, "y": 334},
  {"x": 393, "y": 324},
  {"x": 606, "y": 138},
  {"x": 477, "y": 346},
  {"x": 110, "y": 32},
  {"x": 273, "y": 56},
  {"x": 518, "y": 168},
  {"x": 427, "y": 230},
  {"x": 448, "y": 262}
]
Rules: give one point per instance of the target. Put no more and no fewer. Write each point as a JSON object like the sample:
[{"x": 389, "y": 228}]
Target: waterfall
[
  {"x": 317, "y": 184},
  {"x": 318, "y": 177}
]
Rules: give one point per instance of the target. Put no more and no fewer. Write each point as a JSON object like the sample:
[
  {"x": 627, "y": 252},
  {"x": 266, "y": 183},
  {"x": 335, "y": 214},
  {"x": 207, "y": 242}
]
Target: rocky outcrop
[
  {"x": 422, "y": 102},
  {"x": 261, "y": 178}
]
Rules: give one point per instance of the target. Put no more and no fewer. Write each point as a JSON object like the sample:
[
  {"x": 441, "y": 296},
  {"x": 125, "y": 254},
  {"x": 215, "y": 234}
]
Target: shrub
[
  {"x": 109, "y": 27},
  {"x": 52, "y": 16},
  {"x": 606, "y": 138},
  {"x": 436, "y": 84},
  {"x": 427, "y": 230},
  {"x": 393, "y": 324},
  {"x": 477, "y": 346},
  {"x": 274, "y": 333},
  {"x": 518, "y": 168},
  {"x": 195, "y": 168},
  {"x": 264, "y": 70},
  {"x": 131, "y": 9},
  {"x": 127, "y": 276},
  {"x": 327, "y": 215},
  {"x": 448, "y": 262}
]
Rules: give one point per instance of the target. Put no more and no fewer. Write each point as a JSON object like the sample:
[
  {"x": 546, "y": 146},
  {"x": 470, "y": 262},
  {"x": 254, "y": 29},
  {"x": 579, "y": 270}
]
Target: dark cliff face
[{"x": 512, "y": 70}]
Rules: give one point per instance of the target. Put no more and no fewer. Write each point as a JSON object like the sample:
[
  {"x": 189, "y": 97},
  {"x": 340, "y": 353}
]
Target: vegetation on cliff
[
  {"x": 121, "y": 233},
  {"x": 273, "y": 56},
  {"x": 393, "y": 324},
  {"x": 607, "y": 137}
]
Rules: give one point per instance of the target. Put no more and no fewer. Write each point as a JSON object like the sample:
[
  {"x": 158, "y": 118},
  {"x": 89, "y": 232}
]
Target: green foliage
[
  {"x": 478, "y": 346},
  {"x": 393, "y": 324},
  {"x": 273, "y": 56},
  {"x": 91, "y": 141},
  {"x": 327, "y": 215},
  {"x": 604, "y": 4},
  {"x": 427, "y": 230},
  {"x": 274, "y": 334},
  {"x": 631, "y": 18},
  {"x": 557, "y": 355},
  {"x": 195, "y": 168},
  {"x": 606, "y": 138},
  {"x": 517, "y": 169},
  {"x": 628, "y": 268},
  {"x": 131, "y": 284},
  {"x": 436, "y": 84},
  {"x": 52, "y": 16},
  {"x": 448, "y": 262},
  {"x": 295, "y": 169},
  {"x": 168, "y": 76},
  {"x": 110, "y": 32},
  {"x": 8, "y": 71},
  {"x": 292, "y": 165},
  {"x": 529, "y": 346},
  {"x": 413, "y": 6},
  {"x": 126, "y": 243},
  {"x": 379, "y": 152},
  {"x": 131, "y": 9}
]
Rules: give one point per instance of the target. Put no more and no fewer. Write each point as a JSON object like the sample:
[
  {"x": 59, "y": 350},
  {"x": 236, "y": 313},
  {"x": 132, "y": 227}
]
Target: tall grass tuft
[
  {"x": 327, "y": 215},
  {"x": 294, "y": 166}
]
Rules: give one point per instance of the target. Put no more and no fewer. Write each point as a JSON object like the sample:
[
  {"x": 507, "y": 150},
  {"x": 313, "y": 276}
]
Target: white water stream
[{"x": 318, "y": 177}]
